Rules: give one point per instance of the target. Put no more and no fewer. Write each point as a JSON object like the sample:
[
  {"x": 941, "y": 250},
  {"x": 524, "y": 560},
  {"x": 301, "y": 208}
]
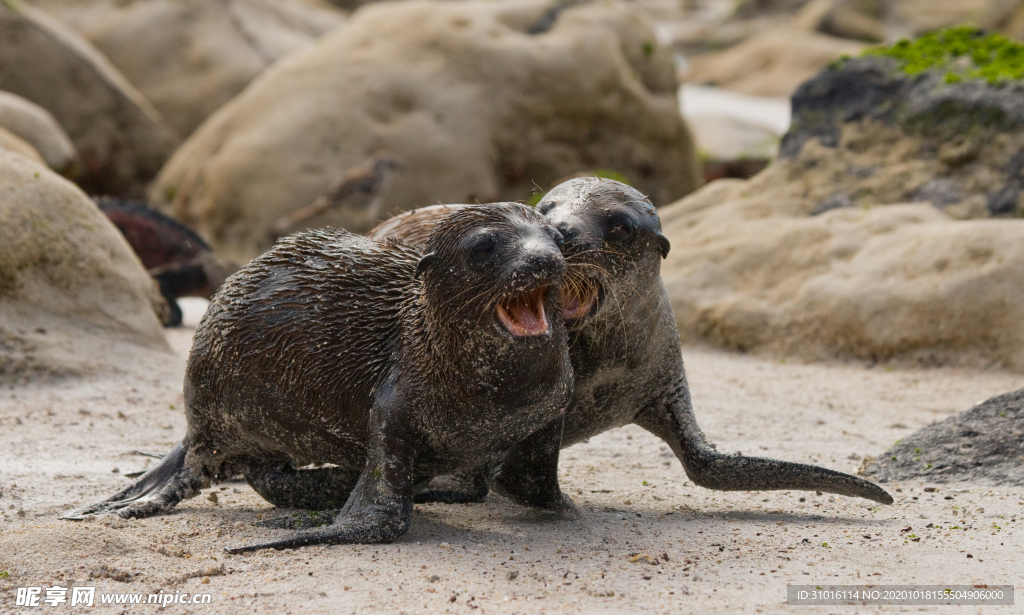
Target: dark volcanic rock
[
  {"x": 968, "y": 126},
  {"x": 984, "y": 445},
  {"x": 922, "y": 104}
]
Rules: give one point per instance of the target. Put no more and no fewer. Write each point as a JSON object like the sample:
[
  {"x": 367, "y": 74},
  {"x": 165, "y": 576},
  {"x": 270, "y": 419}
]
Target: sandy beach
[{"x": 647, "y": 540}]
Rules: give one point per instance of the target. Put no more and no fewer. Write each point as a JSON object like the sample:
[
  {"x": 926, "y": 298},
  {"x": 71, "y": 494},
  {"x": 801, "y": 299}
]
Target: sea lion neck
[
  {"x": 443, "y": 352},
  {"x": 471, "y": 358}
]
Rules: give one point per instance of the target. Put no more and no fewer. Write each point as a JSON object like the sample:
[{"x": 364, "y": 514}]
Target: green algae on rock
[
  {"x": 942, "y": 118},
  {"x": 888, "y": 230},
  {"x": 963, "y": 52}
]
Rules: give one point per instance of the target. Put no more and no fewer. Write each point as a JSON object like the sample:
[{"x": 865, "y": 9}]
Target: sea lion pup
[
  {"x": 334, "y": 348},
  {"x": 624, "y": 344}
]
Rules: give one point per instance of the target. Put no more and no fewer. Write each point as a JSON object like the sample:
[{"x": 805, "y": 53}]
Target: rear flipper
[
  {"x": 708, "y": 468},
  {"x": 156, "y": 491},
  {"x": 463, "y": 488},
  {"x": 283, "y": 485}
]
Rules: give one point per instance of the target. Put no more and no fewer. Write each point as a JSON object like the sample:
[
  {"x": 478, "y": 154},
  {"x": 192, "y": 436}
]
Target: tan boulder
[
  {"x": 843, "y": 18},
  {"x": 467, "y": 104},
  {"x": 351, "y": 5},
  {"x": 74, "y": 299},
  {"x": 915, "y": 17},
  {"x": 905, "y": 282},
  {"x": 118, "y": 134},
  {"x": 771, "y": 63},
  {"x": 37, "y": 127},
  {"x": 11, "y": 142},
  {"x": 817, "y": 258},
  {"x": 189, "y": 57}
]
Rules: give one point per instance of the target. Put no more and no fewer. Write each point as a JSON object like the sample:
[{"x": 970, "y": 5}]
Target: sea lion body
[
  {"x": 624, "y": 342},
  {"x": 391, "y": 366}
]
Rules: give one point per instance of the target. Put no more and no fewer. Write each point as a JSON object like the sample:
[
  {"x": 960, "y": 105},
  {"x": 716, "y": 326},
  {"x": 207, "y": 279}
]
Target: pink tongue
[{"x": 523, "y": 315}]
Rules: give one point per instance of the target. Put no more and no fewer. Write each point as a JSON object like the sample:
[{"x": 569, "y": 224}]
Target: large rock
[
  {"x": 916, "y": 17},
  {"x": 189, "y": 57},
  {"x": 468, "y": 103},
  {"x": 11, "y": 142},
  {"x": 37, "y": 127},
  {"x": 856, "y": 243},
  {"x": 118, "y": 134},
  {"x": 934, "y": 135},
  {"x": 1009, "y": 20},
  {"x": 74, "y": 299},
  {"x": 771, "y": 63},
  {"x": 982, "y": 445}
]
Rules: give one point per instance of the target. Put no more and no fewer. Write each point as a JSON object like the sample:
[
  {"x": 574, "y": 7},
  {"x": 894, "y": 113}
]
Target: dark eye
[
  {"x": 620, "y": 230},
  {"x": 482, "y": 251}
]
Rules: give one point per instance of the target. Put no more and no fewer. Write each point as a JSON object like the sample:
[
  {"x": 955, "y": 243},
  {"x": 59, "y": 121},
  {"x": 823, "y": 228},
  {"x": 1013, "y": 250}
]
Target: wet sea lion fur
[
  {"x": 389, "y": 363},
  {"x": 624, "y": 344}
]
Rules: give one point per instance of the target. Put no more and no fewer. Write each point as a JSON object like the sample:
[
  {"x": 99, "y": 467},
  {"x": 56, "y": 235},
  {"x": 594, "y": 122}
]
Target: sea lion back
[{"x": 317, "y": 305}]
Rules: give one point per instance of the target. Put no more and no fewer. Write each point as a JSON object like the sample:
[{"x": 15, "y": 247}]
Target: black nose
[
  {"x": 547, "y": 262},
  {"x": 568, "y": 233},
  {"x": 542, "y": 263}
]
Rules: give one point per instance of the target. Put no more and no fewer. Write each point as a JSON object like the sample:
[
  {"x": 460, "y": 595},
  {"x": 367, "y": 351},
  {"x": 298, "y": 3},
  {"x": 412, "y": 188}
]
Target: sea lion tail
[{"x": 158, "y": 490}]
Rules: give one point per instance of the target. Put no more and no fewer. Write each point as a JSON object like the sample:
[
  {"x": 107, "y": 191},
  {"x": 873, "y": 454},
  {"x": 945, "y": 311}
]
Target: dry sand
[{"x": 70, "y": 444}]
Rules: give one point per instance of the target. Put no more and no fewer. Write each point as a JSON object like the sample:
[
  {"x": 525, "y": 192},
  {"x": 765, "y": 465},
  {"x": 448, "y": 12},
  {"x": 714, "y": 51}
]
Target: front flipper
[
  {"x": 676, "y": 425},
  {"x": 380, "y": 506},
  {"x": 528, "y": 474}
]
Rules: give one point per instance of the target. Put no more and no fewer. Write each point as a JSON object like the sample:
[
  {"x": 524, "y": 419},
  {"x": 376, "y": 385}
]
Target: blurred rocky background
[{"x": 824, "y": 199}]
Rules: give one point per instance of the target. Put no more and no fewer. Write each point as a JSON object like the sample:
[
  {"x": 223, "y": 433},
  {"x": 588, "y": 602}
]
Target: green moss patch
[{"x": 962, "y": 52}]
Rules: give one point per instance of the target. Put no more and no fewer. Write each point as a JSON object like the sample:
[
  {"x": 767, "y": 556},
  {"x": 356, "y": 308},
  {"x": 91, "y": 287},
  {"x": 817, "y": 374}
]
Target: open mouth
[
  {"x": 579, "y": 299},
  {"x": 523, "y": 314}
]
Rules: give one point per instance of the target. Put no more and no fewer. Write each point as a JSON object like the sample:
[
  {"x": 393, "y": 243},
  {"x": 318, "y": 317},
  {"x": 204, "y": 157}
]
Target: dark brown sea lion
[
  {"x": 624, "y": 344},
  {"x": 334, "y": 348}
]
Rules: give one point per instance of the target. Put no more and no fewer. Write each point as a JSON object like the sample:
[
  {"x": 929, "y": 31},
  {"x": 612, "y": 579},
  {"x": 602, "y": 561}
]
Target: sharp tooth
[{"x": 540, "y": 311}]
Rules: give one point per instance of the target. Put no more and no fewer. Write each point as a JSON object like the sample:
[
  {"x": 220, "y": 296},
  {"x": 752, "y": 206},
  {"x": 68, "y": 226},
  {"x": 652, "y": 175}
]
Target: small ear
[
  {"x": 663, "y": 245},
  {"x": 425, "y": 262}
]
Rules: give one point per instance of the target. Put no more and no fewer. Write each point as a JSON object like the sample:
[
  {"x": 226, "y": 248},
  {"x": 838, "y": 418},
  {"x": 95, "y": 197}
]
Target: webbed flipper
[
  {"x": 156, "y": 491},
  {"x": 379, "y": 509},
  {"x": 466, "y": 487},
  {"x": 676, "y": 425}
]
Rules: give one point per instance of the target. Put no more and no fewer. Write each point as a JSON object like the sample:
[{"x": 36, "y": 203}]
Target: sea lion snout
[
  {"x": 534, "y": 272},
  {"x": 540, "y": 260}
]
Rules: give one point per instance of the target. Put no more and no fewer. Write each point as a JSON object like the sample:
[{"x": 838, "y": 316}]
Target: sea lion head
[
  {"x": 613, "y": 244},
  {"x": 500, "y": 261}
]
